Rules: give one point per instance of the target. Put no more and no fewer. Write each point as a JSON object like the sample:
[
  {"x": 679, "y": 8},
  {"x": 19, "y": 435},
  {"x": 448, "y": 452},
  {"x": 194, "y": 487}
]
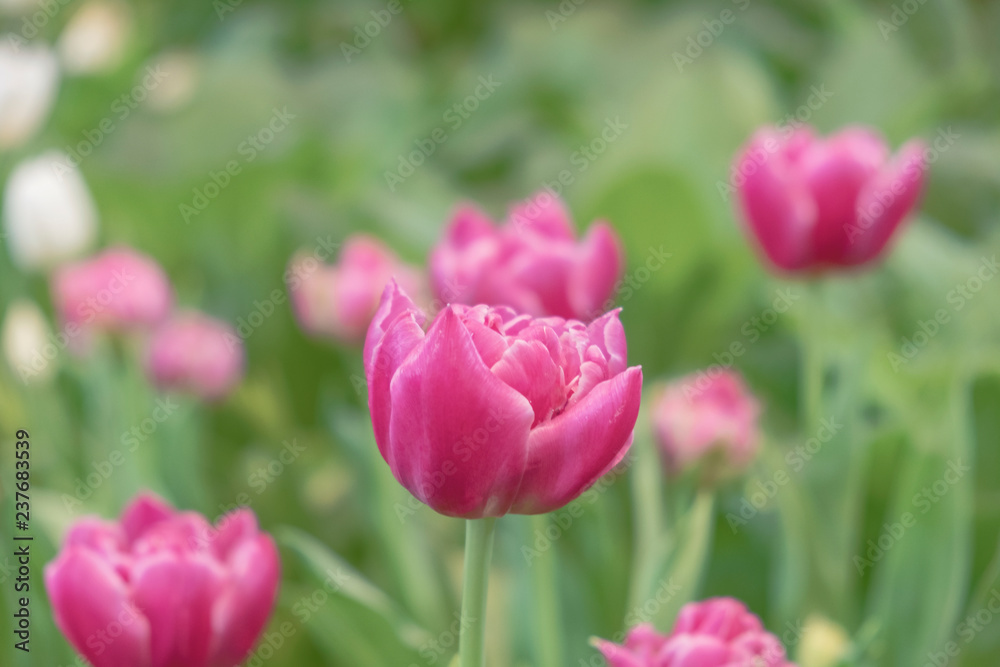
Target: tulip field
[{"x": 383, "y": 333}]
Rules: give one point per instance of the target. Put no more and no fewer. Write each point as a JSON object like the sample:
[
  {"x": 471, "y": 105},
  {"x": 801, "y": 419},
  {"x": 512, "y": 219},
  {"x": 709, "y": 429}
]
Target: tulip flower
[
  {"x": 119, "y": 289},
  {"x": 49, "y": 215},
  {"x": 708, "y": 419},
  {"x": 198, "y": 354},
  {"x": 533, "y": 263},
  {"x": 26, "y": 341},
  {"x": 339, "y": 301},
  {"x": 816, "y": 204},
  {"x": 94, "y": 40},
  {"x": 489, "y": 412},
  {"x": 29, "y": 76},
  {"x": 719, "y": 632},
  {"x": 162, "y": 588}
]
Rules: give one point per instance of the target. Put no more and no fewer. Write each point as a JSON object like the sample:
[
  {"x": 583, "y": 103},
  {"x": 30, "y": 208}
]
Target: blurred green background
[{"x": 560, "y": 74}]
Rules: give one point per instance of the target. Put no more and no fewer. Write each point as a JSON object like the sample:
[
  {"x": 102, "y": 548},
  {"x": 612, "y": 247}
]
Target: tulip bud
[
  {"x": 26, "y": 342},
  {"x": 197, "y": 354},
  {"x": 339, "y": 301},
  {"x": 29, "y": 75},
  {"x": 720, "y": 632},
  {"x": 161, "y": 587},
  {"x": 488, "y": 412},
  {"x": 533, "y": 263},
  {"x": 709, "y": 420},
  {"x": 49, "y": 215},
  {"x": 117, "y": 290},
  {"x": 94, "y": 40},
  {"x": 824, "y": 643},
  {"x": 817, "y": 204}
]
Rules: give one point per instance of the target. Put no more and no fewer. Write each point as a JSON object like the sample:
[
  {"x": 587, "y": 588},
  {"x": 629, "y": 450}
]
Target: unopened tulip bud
[
  {"x": 48, "y": 213},
  {"x": 29, "y": 75},
  {"x": 707, "y": 418},
  {"x": 27, "y": 344}
]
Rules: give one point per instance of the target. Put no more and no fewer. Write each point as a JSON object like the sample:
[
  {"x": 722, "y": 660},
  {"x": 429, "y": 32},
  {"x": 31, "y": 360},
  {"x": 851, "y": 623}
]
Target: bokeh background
[{"x": 674, "y": 102}]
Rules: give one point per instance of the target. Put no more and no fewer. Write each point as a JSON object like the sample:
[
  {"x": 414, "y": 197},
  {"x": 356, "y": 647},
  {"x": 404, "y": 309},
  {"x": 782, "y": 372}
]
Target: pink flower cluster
[{"x": 720, "y": 632}]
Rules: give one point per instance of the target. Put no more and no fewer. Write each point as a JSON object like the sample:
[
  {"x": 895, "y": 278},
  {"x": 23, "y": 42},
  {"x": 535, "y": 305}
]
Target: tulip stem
[{"x": 478, "y": 550}]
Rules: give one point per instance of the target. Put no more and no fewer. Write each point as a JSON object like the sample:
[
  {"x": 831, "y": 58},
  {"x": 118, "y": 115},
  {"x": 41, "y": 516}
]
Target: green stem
[
  {"x": 549, "y": 630},
  {"x": 478, "y": 550}
]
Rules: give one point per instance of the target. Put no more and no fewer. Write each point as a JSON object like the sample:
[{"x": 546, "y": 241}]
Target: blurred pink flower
[
  {"x": 196, "y": 353},
  {"x": 533, "y": 263},
  {"x": 339, "y": 301},
  {"x": 162, "y": 588},
  {"x": 814, "y": 204},
  {"x": 490, "y": 412},
  {"x": 707, "y": 418},
  {"x": 720, "y": 632},
  {"x": 118, "y": 289}
]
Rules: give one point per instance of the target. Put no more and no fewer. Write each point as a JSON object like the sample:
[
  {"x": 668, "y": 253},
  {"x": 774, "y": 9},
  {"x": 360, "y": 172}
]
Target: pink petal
[
  {"x": 527, "y": 367},
  {"x": 395, "y": 302},
  {"x": 177, "y": 594},
  {"x": 569, "y": 453},
  {"x": 777, "y": 207},
  {"x": 145, "y": 511},
  {"x": 92, "y": 608},
  {"x": 246, "y": 604},
  {"x": 886, "y": 200},
  {"x": 543, "y": 214},
  {"x": 697, "y": 651},
  {"x": 608, "y": 334},
  {"x": 232, "y": 529},
  {"x": 597, "y": 268},
  {"x": 458, "y": 435},
  {"x": 619, "y": 656}
]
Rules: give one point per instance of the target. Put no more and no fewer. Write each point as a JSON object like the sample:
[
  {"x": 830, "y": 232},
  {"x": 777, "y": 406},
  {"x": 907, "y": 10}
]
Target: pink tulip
[
  {"x": 198, "y": 354},
  {"x": 719, "y": 632},
  {"x": 119, "y": 289},
  {"x": 814, "y": 204},
  {"x": 489, "y": 412},
  {"x": 162, "y": 588},
  {"x": 707, "y": 418},
  {"x": 339, "y": 301},
  {"x": 533, "y": 263}
]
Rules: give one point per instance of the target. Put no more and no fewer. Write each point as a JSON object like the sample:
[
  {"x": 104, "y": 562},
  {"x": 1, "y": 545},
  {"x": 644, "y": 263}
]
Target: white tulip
[
  {"x": 26, "y": 342},
  {"x": 48, "y": 213},
  {"x": 94, "y": 41},
  {"x": 29, "y": 76}
]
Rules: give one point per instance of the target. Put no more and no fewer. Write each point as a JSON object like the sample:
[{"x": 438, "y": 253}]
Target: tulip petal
[
  {"x": 608, "y": 334},
  {"x": 619, "y": 656},
  {"x": 177, "y": 593},
  {"x": 543, "y": 214},
  {"x": 458, "y": 434},
  {"x": 399, "y": 341},
  {"x": 527, "y": 367},
  {"x": 776, "y": 205},
  {"x": 886, "y": 200},
  {"x": 569, "y": 453},
  {"x": 92, "y": 608},
  {"x": 244, "y": 608},
  {"x": 395, "y": 302},
  {"x": 145, "y": 511},
  {"x": 597, "y": 268},
  {"x": 232, "y": 529}
]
